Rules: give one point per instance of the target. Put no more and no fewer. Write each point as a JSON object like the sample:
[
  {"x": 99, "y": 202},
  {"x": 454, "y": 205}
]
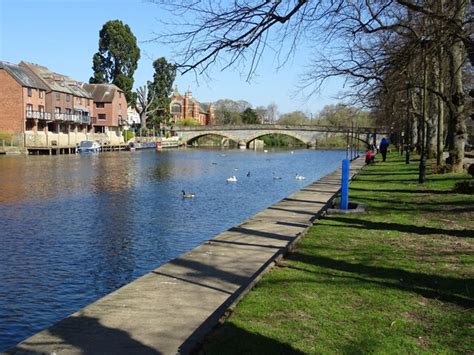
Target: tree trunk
[
  {"x": 457, "y": 120},
  {"x": 440, "y": 87},
  {"x": 143, "y": 119}
]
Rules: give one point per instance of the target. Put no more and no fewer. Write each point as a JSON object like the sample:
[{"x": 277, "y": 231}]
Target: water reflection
[{"x": 74, "y": 228}]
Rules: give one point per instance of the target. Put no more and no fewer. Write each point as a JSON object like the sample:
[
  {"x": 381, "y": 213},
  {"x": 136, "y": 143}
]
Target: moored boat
[{"x": 88, "y": 147}]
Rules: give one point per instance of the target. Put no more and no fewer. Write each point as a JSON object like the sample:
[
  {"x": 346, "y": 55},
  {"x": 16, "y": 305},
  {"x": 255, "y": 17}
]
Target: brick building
[
  {"x": 22, "y": 100},
  {"x": 68, "y": 106},
  {"x": 110, "y": 107},
  {"x": 182, "y": 107},
  {"x": 50, "y": 109}
]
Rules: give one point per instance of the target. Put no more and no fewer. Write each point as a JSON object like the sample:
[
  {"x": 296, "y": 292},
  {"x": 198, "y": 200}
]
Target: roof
[
  {"x": 205, "y": 107},
  {"x": 101, "y": 92},
  {"x": 22, "y": 76},
  {"x": 55, "y": 81}
]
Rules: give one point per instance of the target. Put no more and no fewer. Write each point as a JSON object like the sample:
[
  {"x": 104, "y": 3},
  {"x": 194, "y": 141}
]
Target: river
[{"x": 76, "y": 227}]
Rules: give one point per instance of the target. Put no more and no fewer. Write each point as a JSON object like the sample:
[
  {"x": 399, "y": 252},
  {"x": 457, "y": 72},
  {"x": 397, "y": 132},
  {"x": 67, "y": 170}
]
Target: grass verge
[{"x": 397, "y": 279}]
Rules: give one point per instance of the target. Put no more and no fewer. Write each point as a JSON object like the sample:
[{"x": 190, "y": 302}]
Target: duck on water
[{"x": 188, "y": 194}]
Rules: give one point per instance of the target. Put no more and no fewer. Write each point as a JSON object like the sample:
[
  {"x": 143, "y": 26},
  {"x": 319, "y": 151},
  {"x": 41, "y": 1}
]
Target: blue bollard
[{"x": 345, "y": 185}]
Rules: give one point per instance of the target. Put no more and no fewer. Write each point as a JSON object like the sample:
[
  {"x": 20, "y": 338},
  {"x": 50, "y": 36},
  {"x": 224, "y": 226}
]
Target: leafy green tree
[
  {"x": 249, "y": 116},
  {"x": 294, "y": 118},
  {"x": 229, "y": 111},
  {"x": 117, "y": 58},
  {"x": 341, "y": 115},
  {"x": 161, "y": 89}
]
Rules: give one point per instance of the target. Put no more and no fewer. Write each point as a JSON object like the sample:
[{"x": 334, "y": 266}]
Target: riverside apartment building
[{"x": 45, "y": 108}]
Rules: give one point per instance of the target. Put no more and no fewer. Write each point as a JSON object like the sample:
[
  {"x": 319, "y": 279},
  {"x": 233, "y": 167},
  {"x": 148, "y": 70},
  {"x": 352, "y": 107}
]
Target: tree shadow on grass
[
  {"x": 413, "y": 172},
  {"x": 229, "y": 339},
  {"x": 446, "y": 289},
  {"x": 86, "y": 335},
  {"x": 404, "y": 191},
  {"x": 420, "y": 203},
  {"x": 384, "y": 226},
  {"x": 397, "y": 205}
]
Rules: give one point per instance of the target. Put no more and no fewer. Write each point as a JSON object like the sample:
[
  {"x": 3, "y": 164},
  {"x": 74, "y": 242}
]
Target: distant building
[
  {"x": 182, "y": 107},
  {"x": 133, "y": 117}
]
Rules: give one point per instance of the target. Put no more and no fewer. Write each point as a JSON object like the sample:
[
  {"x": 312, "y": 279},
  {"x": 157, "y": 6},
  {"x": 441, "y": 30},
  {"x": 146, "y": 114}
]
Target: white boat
[
  {"x": 88, "y": 147},
  {"x": 299, "y": 177},
  {"x": 232, "y": 179}
]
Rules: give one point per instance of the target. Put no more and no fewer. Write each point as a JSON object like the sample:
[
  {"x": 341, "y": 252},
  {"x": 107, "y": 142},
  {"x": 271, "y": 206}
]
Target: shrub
[
  {"x": 439, "y": 169},
  {"x": 127, "y": 135},
  {"x": 465, "y": 187},
  {"x": 470, "y": 170},
  {"x": 187, "y": 122}
]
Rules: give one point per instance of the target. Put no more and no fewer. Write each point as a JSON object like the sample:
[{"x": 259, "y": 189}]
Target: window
[
  {"x": 80, "y": 101},
  {"x": 29, "y": 110},
  {"x": 68, "y": 98},
  {"x": 41, "y": 110},
  {"x": 101, "y": 116},
  {"x": 58, "y": 96},
  {"x": 41, "y": 94},
  {"x": 88, "y": 102},
  {"x": 99, "y": 104},
  {"x": 176, "y": 108},
  {"x": 57, "y": 110},
  {"x": 30, "y": 91}
]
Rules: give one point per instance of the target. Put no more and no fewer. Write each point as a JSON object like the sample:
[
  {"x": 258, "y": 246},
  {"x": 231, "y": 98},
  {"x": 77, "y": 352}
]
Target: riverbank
[
  {"x": 171, "y": 308},
  {"x": 397, "y": 279}
]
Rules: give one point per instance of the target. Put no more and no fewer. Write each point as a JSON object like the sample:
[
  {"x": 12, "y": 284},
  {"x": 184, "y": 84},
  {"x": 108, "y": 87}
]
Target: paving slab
[{"x": 170, "y": 309}]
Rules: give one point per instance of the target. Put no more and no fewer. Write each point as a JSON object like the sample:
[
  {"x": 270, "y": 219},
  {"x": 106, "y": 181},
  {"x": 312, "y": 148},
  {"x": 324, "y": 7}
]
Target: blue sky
[{"x": 63, "y": 36}]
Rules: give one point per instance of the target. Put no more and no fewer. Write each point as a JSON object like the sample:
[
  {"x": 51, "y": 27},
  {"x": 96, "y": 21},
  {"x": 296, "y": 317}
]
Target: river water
[{"x": 76, "y": 227}]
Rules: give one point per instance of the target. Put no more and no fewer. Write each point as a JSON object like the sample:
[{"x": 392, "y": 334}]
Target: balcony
[
  {"x": 72, "y": 118},
  {"x": 47, "y": 116},
  {"x": 39, "y": 115}
]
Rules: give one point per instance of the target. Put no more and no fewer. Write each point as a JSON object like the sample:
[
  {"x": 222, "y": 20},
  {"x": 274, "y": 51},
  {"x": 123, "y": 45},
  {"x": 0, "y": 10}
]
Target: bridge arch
[
  {"x": 259, "y": 134},
  {"x": 189, "y": 138}
]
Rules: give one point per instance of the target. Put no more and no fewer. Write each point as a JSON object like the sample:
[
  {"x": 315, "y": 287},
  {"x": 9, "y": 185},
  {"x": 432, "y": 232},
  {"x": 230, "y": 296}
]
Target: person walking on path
[{"x": 383, "y": 148}]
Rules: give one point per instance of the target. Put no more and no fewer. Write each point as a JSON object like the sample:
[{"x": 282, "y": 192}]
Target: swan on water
[{"x": 232, "y": 179}]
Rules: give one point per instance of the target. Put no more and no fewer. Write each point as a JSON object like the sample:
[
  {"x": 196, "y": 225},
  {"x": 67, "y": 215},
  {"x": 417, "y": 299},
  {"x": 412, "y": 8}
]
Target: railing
[
  {"x": 39, "y": 115},
  {"x": 70, "y": 117}
]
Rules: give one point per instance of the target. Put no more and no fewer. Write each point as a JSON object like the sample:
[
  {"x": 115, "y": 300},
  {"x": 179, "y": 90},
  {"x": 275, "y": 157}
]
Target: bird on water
[{"x": 188, "y": 194}]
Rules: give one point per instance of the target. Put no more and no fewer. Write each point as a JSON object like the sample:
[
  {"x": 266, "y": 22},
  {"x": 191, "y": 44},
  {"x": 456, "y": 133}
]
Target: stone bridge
[{"x": 245, "y": 134}]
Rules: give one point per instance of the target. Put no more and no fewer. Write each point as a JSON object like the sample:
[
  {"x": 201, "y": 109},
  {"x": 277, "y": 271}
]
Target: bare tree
[
  {"x": 145, "y": 101},
  {"x": 384, "y": 49}
]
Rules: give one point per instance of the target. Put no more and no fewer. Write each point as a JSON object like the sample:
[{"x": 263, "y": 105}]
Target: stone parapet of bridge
[{"x": 244, "y": 134}]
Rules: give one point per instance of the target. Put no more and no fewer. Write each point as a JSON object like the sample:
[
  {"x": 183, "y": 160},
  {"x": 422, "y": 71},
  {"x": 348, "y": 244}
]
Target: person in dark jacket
[{"x": 383, "y": 148}]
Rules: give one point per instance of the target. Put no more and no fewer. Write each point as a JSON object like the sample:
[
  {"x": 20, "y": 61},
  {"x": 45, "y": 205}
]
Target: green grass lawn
[{"x": 398, "y": 279}]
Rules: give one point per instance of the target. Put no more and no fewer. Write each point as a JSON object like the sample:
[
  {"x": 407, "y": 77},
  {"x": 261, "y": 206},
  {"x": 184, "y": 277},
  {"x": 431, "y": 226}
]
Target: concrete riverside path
[{"x": 170, "y": 309}]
